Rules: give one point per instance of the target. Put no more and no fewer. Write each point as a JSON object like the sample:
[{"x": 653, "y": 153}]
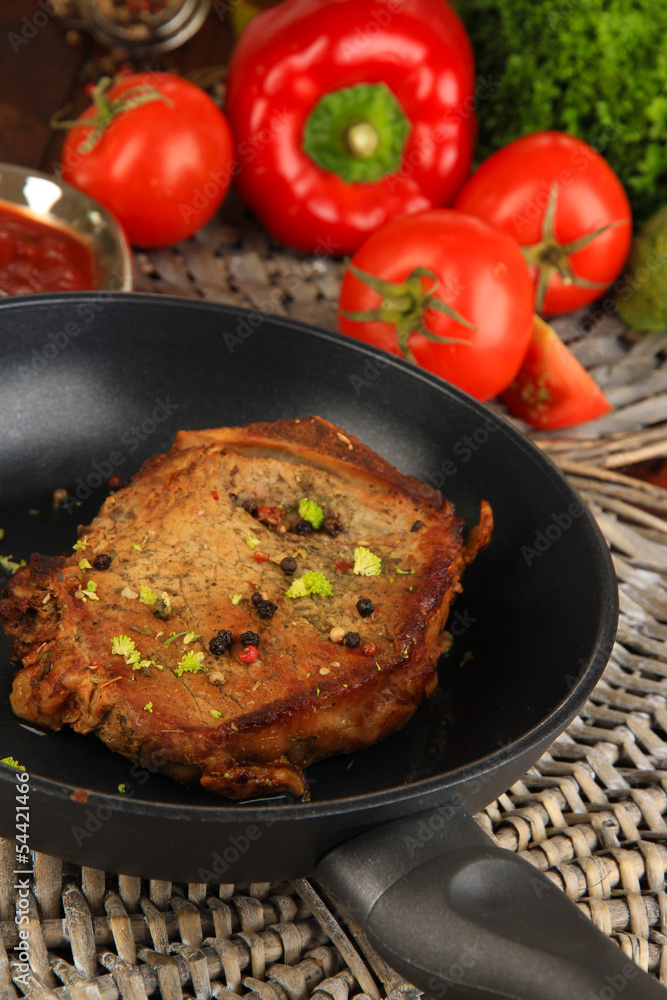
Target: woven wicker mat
[{"x": 590, "y": 813}]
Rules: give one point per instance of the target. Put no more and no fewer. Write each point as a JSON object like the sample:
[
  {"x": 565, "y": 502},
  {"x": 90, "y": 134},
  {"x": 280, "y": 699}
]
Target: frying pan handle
[{"x": 463, "y": 919}]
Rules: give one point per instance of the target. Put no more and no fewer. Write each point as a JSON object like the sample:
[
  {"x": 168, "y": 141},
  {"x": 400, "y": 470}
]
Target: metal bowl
[{"x": 51, "y": 200}]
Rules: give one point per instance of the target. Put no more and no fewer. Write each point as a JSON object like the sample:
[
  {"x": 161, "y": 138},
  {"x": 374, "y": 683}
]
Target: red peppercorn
[
  {"x": 216, "y": 496},
  {"x": 260, "y": 556},
  {"x": 263, "y": 512},
  {"x": 368, "y": 649},
  {"x": 343, "y": 565},
  {"x": 117, "y": 483},
  {"x": 249, "y": 654}
]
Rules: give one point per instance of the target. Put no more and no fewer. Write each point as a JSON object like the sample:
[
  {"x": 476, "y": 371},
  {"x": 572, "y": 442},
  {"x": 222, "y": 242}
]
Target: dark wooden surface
[{"x": 43, "y": 69}]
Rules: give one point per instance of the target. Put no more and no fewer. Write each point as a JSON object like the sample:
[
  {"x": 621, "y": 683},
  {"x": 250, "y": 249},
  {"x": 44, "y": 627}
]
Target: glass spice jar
[{"x": 143, "y": 26}]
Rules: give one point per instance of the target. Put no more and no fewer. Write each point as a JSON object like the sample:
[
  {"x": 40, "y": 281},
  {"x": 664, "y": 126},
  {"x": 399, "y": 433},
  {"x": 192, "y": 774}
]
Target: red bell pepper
[{"x": 348, "y": 113}]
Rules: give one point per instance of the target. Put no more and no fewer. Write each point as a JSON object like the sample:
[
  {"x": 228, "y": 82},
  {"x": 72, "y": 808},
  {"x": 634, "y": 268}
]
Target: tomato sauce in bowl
[{"x": 37, "y": 256}]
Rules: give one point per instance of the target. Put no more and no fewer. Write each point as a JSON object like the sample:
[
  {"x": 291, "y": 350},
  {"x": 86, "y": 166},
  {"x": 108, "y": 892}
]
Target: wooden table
[{"x": 43, "y": 68}]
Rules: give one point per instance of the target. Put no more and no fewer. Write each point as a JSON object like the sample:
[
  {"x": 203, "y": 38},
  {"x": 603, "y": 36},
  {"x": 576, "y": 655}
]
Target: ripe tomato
[
  {"x": 566, "y": 207},
  {"x": 553, "y": 389},
  {"x": 162, "y": 161},
  {"x": 428, "y": 265}
]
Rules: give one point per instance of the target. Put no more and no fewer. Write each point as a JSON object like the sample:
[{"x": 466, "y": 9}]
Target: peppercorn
[
  {"x": 221, "y": 642},
  {"x": 288, "y": 565},
  {"x": 417, "y": 525},
  {"x": 256, "y": 598},
  {"x": 303, "y": 527},
  {"x": 332, "y": 526},
  {"x": 249, "y": 639},
  {"x": 365, "y": 607},
  {"x": 250, "y": 506},
  {"x": 249, "y": 654},
  {"x": 352, "y": 640},
  {"x": 117, "y": 483},
  {"x": 266, "y": 609},
  {"x": 102, "y": 561}
]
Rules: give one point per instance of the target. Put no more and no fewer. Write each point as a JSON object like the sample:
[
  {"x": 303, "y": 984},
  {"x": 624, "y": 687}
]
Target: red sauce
[{"x": 38, "y": 256}]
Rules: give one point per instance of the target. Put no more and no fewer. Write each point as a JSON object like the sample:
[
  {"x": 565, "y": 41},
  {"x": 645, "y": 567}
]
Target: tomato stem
[
  {"x": 550, "y": 257},
  {"x": 404, "y": 304},
  {"x": 106, "y": 110}
]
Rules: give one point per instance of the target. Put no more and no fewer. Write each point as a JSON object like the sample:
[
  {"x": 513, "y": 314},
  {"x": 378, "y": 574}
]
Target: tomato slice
[{"x": 552, "y": 388}]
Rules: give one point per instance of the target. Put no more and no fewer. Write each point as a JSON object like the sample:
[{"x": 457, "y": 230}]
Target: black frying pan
[{"x": 90, "y": 386}]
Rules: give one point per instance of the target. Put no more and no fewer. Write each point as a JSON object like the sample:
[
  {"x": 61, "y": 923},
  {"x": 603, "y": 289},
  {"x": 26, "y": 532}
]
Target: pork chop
[{"x": 256, "y": 599}]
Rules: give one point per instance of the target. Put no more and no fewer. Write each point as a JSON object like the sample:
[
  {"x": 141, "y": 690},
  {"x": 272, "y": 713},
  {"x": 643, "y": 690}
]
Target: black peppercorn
[
  {"x": 251, "y": 507},
  {"x": 221, "y": 642},
  {"x": 288, "y": 565},
  {"x": 102, "y": 561},
  {"x": 256, "y": 598},
  {"x": 365, "y": 607},
  {"x": 117, "y": 483},
  {"x": 303, "y": 527},
  {"x": 332, "y": 526},
  {"x": 266, "y": 609},
  {"x": 417, "y": 525},
  {"x": 249, "y": 639},
  {"x": 352, "y": 640}
]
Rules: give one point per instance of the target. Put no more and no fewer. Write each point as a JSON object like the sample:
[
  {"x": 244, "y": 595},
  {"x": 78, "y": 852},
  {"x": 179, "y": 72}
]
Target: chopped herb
[
  {"x": 12, "y": 762},
  {"x": 311, "y": 512},
  {"x": 190, "y": 664},
  {"x": 147, "y": 596},
  {"x": 89, "y": 592},
  {"x": 137, "y": 547},
  {"x": 80, "y": 546},
  {"x": 216, "y": 714},
  {"x": 311, "y": 582},
  {"x": 148, "y": 707},
  {"x": 404, "y": 572},
  {"x": 2, "y": 533},
  {"x": 84, "y": 564},
  {"x": 235, "y": 598},
  {"x": 122, "y": 788},
  {"x": 251, "y": 542},
  {"x": 122, "y": 645},
  {"x": 366, "y": 563},
  {"x": 190, "y": 637},
  {"x": 9, "y": 566},
  {"x": 174, "y": 635}
]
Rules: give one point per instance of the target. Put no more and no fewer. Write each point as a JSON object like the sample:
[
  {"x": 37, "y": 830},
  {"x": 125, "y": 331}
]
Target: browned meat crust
[{"x": 187, "y": 528}]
